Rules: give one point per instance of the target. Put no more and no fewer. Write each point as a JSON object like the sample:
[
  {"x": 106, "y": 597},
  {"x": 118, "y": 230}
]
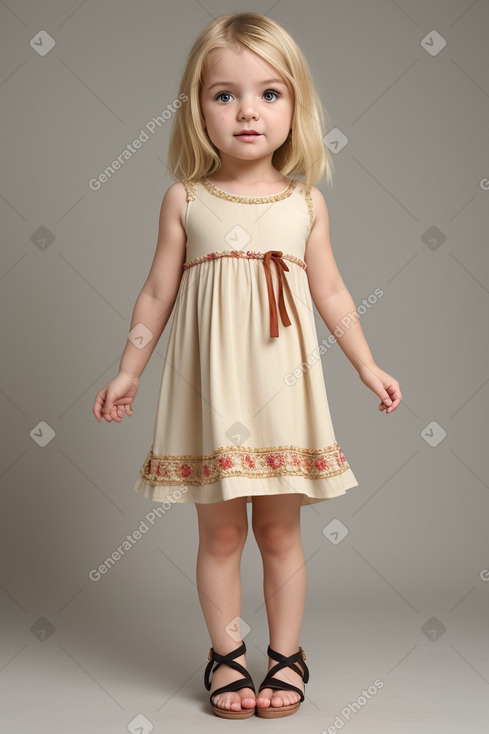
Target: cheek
[
  {"x": 277, "y": 116},
  {"x": 218, "y": 118}
]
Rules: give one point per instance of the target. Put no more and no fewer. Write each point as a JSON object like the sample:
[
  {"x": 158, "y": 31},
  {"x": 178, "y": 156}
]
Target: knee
[
  {"x": 275, "y": 537},
  {"x": 226, "y": 540}
]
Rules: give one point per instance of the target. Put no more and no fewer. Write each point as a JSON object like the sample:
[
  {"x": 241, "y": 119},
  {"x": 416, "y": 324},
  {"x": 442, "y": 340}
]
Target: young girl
[{"x": 242, "y": 416}]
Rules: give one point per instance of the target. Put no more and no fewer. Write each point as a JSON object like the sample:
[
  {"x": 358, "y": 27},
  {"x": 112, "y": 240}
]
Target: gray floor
[{"x": 110, "y": 655}]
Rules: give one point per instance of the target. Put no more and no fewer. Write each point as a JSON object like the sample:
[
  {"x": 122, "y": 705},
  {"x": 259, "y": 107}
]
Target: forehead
[{"x": 238, "y": 62}]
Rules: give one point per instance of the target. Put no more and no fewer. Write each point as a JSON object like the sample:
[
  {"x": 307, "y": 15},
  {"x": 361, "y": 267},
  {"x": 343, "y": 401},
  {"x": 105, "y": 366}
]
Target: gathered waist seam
[
  {"x": 243, "y": 254},
  {"x": 271, "y": 256}
]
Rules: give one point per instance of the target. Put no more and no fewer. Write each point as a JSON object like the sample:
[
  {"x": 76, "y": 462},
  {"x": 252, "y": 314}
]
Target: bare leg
[
  {"x": 276, "y": 526},
  {"x": 223, "y": 528}
]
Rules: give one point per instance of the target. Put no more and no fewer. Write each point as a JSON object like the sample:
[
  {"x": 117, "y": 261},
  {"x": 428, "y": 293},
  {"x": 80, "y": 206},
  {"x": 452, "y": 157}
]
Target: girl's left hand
[{"x": 383, "y": 385}]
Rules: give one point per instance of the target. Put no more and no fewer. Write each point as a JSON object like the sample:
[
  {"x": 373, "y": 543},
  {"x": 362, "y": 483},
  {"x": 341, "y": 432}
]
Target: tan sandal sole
[
  {"x": 275, "y": 712},
  {"x": 230, "y": 714}
]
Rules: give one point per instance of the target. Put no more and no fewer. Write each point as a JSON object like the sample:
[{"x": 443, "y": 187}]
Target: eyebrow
[{"x": 231, "y": 84}]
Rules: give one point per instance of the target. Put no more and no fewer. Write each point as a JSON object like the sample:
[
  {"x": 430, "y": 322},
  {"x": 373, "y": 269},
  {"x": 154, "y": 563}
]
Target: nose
[{"x": 248, "y": 110}]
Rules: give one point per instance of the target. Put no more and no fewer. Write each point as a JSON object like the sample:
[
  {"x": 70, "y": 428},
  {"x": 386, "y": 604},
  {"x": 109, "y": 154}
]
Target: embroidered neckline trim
[{"x": 248, "y": 199}]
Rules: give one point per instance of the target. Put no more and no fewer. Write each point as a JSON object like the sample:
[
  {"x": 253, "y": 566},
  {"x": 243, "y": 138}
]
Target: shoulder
[
  {"x": 318, "y": 201},
  {"x": 318, "y": 208},
  {"x": 175, "y": 200}
]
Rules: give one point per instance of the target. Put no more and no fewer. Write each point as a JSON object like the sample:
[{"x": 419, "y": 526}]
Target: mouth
[
  {"x": 248, "y": 134},
  {"x": 248, "y": 137}
]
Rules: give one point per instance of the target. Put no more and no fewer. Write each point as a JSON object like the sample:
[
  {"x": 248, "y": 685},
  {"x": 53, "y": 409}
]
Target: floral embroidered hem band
[{"x": 243, "y": 461}]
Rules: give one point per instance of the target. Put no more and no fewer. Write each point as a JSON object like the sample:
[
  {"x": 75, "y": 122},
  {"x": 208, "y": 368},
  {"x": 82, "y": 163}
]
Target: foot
[
  {"x": 233, "y": 700},
  {"x": 268, "y": 697}
]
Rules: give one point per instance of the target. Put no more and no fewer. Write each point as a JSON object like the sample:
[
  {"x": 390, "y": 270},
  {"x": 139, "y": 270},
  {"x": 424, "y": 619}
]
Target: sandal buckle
[
  {"x": 303, "y": 654},
  {"x": 209, "y": 655}
]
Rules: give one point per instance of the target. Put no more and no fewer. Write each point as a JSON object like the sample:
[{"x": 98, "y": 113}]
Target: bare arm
[
  {"x": 329, "y": 292},
  {"x": 337, "y": 309},
  {"x": 157, "y": 297}
]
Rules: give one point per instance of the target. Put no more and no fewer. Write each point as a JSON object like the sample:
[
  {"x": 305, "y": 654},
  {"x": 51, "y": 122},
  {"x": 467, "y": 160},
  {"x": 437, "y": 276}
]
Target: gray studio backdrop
[{"x": 401, "y": 592}]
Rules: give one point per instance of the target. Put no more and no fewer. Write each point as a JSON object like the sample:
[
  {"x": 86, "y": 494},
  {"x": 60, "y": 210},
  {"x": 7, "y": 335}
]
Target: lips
[{"x": 247, "y": 132}]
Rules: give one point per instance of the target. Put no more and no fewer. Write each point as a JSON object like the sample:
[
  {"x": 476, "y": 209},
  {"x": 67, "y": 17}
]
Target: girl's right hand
[{"x": 116, "y": 398}]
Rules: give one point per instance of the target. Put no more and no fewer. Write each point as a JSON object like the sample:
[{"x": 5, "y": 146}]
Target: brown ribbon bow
[{"x": 280, "y": 265}]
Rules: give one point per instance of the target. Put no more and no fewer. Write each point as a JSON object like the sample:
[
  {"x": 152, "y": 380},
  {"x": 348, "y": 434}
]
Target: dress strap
[
  {"x": 190, "y": 188},
  {"x": 310, "y": 206}
]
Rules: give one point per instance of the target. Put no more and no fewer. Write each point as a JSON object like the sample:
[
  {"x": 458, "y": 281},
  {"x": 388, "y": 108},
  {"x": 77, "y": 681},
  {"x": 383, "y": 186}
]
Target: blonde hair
[{"x": 192, "y": 155}]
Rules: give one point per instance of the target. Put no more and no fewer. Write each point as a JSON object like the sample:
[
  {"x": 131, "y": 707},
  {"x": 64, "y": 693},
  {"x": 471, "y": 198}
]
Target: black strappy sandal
[
  {"x": 298, "y": 658},
  {"x": 246, "y": 682}
]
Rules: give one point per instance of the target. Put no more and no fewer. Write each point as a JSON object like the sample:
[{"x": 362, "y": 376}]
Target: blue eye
[
  {"x": 221, "y": 94},
  {"x": 228, "y": 94}
]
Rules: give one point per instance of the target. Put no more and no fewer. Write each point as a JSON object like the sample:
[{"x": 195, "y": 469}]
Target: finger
[
  {"x": 108, "y": 408},
  {"x": 119, "y": 408},
  {"x": 110, "y": 404},
  {"x": 109, "y": 413},
  {"x": 97, "y": 408},
  {"x": 394, "y": 392}
]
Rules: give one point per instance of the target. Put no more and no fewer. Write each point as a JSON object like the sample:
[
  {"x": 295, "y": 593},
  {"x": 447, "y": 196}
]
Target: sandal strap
[
  {"x": 236, "y": 685},
  {"x": 228, "y": 659},
  {"x": 297, "y": 658},
  {"x": 282, "y": 685},
  {"x": 291, "y": 661}
]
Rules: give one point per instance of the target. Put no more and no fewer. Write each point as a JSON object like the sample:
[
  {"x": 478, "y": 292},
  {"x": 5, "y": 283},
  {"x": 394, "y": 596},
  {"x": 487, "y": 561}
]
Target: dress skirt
[{"x": 240, "y": 414}]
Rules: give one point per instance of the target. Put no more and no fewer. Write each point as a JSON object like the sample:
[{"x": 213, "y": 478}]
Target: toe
[
  {"x": 284, "y": 698},
  {"x": 277, "y": 700},
  {"x": 248, "y": 703},
  {"x": 248, "y": 700},
  {"x": 263, "y": 700},
  {"x": 227, "y": 701},
  {"x": 233, "y": 701},
  {"x": 263, "y": 703}
]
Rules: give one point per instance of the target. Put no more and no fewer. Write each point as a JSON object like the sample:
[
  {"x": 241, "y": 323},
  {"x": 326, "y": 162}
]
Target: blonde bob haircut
[{"x": 191, "y": 153}]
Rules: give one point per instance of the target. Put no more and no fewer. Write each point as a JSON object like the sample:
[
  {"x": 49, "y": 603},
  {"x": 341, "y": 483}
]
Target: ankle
[
  {"x": 284, "y": 649},
  {"x": 240, "y": 660},
  {"x": 224, "y": 651}
]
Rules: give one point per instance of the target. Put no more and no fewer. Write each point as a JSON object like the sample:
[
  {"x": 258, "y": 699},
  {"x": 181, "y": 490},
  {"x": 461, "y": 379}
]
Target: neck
[{"x": 248, "y": 173}]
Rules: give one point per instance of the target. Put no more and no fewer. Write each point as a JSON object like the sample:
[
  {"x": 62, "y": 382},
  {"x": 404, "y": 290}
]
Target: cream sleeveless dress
[{"x": 242, "y": 408}]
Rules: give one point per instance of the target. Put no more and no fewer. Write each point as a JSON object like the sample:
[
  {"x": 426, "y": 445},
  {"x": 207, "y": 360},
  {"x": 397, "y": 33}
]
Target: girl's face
[{"x": 242, "y": 91}]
